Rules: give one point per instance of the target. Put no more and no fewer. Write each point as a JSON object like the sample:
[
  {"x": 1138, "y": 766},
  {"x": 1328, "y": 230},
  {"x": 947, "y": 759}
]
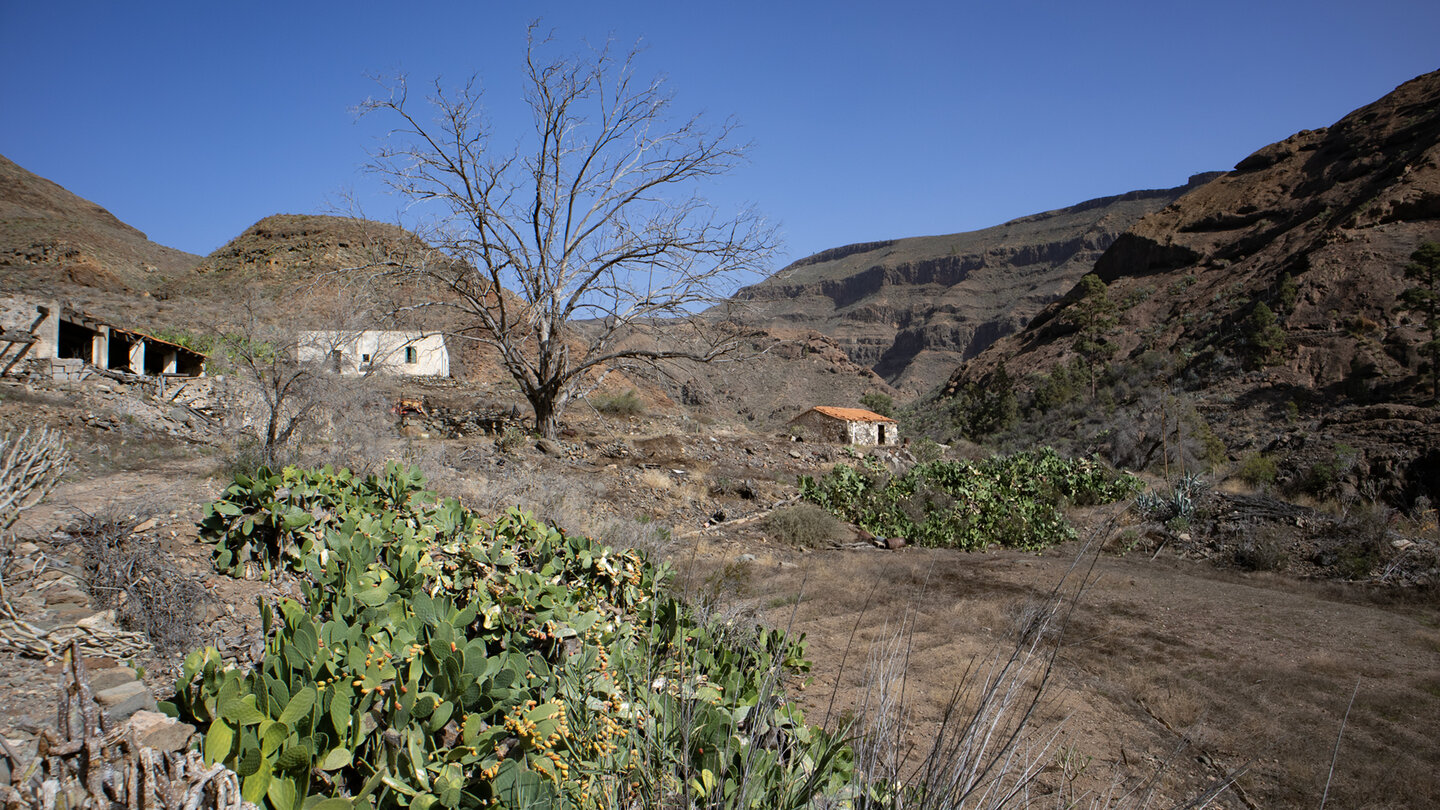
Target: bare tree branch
[{"x": 563, "y": 253}]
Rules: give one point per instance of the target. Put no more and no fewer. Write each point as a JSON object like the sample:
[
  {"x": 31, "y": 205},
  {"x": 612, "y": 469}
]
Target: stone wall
[
  {"x": 25, "y": 316},
  {"x": 873, "y": 433}
]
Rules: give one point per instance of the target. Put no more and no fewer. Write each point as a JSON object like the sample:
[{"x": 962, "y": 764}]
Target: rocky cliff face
[
  {"x": 911, "y": 308},
  {"x": 1318, "y": 228}
]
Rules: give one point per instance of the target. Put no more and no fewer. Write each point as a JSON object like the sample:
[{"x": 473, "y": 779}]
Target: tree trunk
[
  {"x": 547, "y": 422},
  {"x": 272, "y": 432}
]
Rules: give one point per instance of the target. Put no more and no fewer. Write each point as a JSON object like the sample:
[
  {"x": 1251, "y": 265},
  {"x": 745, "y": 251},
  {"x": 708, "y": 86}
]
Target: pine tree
[
  {"x": 1424, "y": 301},
  {"x": 1265, "y": 334},
  {"x": 1094, "y": 315}
]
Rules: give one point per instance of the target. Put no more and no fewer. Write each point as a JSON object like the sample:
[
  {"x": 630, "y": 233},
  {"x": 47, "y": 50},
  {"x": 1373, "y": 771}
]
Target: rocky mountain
[
  {"x": 912, "y": 308},
  {"x": 1270, "y": 295},
  {"x": 54, "y": 241}
]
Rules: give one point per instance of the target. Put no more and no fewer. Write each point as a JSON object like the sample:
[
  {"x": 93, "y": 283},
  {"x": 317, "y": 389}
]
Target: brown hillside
[
  {"x": 56, "y": 243},
  {"x": 318, "y": 270},
  {"x": 912, "y": 308},
  {"x": 1339, "y": 210}
]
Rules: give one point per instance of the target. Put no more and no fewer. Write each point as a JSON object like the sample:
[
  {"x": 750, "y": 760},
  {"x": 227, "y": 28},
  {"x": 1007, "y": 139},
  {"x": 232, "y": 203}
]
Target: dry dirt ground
[{"x": 1163, "y": 662}]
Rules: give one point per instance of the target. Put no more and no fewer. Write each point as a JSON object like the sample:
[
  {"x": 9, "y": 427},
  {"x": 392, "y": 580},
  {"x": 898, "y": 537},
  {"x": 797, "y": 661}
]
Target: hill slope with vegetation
[{"x": 1260, "y": 319}]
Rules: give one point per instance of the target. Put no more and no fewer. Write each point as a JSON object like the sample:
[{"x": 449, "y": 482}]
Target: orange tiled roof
[{"x": 851, "y": 414}]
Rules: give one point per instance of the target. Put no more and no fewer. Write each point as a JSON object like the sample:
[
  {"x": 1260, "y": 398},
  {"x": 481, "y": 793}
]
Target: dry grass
[
  {"x": 1251, "y": 669},
  {"x": 656, "y": 481}
]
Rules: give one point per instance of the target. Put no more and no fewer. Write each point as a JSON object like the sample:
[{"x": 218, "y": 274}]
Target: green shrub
[
  {"x": 510, "y": 439},
  {"x": 1262, "y": 552},
  {"x": 626, "y": 404},
  {"x": 803, "y": 524},
  {"x": 1257, "y": 470},
  {"x": 927, "y": 450},
  {"x": 879, "y": 402},
  {"x": 1014, "y": 500},
  {"x": 439, "y": 659},
  {"x": 1264, "y": 335},
  {"x": 1324, "y": 476}
]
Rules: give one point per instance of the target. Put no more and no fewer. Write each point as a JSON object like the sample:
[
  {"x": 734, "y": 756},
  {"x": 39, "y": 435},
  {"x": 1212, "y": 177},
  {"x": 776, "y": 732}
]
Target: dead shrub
[
  {"x": 803, "y": 524},
  {"x": 129, "y": 572},
  {"x": 30, "y": 466},
  {"x": 647, "y": 536},
  {"x": 656, "y": 480}
]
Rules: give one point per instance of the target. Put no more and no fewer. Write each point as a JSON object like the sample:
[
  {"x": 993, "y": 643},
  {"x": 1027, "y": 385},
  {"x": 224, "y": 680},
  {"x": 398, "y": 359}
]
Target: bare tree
[
  {"x": 284, "y": 377},
  {"x": 571, "y": 253}
]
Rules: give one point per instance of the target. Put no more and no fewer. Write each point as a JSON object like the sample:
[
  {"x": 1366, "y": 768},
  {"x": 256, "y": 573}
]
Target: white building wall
[
  {"x": 412, "y": 353},
  {"x": 19, "y": 314}
]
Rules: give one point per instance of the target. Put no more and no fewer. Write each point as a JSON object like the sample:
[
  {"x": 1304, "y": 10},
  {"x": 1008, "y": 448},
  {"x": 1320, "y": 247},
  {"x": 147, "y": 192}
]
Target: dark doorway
[
  {"x": 76, "y": 342},
  {"x": 120, "y": 346}
]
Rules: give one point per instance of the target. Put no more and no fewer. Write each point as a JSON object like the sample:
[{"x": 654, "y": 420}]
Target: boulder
[{"x": 160, "y": 732}]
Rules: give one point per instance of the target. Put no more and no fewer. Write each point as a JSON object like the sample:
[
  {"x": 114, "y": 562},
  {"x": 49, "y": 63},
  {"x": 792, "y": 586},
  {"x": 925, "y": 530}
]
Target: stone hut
[{"x": 849, "y": 426}]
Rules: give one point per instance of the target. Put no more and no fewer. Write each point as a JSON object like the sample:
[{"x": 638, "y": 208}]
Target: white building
[
  {"x": 362, "y": 352},
  {"x": 849, "y": 425}
]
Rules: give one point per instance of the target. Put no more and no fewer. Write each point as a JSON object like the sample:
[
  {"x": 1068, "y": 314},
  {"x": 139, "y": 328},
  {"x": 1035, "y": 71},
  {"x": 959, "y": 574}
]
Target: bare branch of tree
[
  {"x": 31, "y": 464},
  {"x": 571, "y": 252}
]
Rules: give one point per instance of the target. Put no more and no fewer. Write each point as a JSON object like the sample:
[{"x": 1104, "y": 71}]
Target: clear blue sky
[{"x": 871, "y": 120}]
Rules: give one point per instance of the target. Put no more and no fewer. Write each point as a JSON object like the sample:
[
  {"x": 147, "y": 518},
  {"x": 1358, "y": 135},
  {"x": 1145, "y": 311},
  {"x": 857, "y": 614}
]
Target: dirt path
[{"x": 1256, "y": 670}]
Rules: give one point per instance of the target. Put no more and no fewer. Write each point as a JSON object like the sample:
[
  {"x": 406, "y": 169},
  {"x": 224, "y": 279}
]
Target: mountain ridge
[
  {"x": 910, "y": 308},
  {"x": 52, "y": 239}
]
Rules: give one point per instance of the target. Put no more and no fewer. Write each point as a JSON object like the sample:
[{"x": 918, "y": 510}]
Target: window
[{"x": 411, "y": 355}]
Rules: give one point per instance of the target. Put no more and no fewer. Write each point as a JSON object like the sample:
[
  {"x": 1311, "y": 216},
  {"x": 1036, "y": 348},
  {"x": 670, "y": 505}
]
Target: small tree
[
  {"x": 1287, "y": 293},
  {"x": 879, "y": 402},
  {"x": 587, "y": 246},
  {"x": 1264, "y": 334},
  {"x": 985, "y": 408},
  {"x": 1094, "y": 315},
  {"x": 283, "y": 378},
  {"x": 1424, "y": 301}
]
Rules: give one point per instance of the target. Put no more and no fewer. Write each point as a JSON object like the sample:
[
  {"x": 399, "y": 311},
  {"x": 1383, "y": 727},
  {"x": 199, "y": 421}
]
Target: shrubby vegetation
[
  {"x": 1013, "y": 500},
  {"x": 1177, "y": 507},
  {"x": 1133, "y": 413},
  {"x": 1264, "y": 337},
  {"x": 879, "y": 402},
  {"x": 1258, "y": 469},
  {"x": 803, "y": 524},
  {"x": 626, "y": 404},
  {"x": 1423, "y": 301},
  {"x": 437, "y": 659}
]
